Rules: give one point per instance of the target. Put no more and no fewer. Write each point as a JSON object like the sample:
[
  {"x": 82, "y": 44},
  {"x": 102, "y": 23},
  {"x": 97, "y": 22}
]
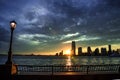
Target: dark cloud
[
  {"x": 44, "y": 23},
  {"x": 30, "y": 16},
  {"x": 113, "y": 3},
  {"x": 4, "y": 35}
]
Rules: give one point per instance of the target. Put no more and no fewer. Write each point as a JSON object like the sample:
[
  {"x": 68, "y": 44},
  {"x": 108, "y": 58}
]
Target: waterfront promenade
[
  {"x": 64, "y": 76},
  {"x": 74, "y": 72}
]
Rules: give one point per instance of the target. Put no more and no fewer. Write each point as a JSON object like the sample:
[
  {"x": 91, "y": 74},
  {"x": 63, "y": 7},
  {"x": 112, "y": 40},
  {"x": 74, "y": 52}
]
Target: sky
[{"x": 45, "y": 27}]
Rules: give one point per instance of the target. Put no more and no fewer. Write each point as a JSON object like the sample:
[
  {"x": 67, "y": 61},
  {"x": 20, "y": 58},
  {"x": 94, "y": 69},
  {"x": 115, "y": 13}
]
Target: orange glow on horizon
[{"x": 68, "y": 52}]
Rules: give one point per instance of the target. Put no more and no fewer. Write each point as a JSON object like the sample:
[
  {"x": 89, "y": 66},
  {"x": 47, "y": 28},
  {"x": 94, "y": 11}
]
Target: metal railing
[{"x": 72, "y": 68}]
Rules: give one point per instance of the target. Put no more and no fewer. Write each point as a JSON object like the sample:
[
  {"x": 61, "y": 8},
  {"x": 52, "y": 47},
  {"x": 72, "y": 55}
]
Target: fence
[{"x": 72, "y": 68}]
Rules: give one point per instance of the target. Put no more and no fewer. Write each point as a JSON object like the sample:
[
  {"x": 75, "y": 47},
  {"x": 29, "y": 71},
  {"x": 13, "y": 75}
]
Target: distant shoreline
[{"x": 66, "y": 55}]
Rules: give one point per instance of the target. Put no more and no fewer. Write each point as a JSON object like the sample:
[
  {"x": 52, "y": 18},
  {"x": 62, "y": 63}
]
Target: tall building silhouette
[
  {"x": 89, "y": 51},
  {"x": 103, "y": 51},
  {"x": 109, "y": 49},
  {"x": 96, "y": 52},
  {"x": 118, "y": 51},
  {"x": 79, "y": 50},
  {"x": 73, "y": 48},
  {"x": 61, "y": 53}
]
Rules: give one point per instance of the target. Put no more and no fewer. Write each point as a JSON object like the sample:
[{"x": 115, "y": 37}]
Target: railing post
[
  {"x": 52, "y": 70},
  {"x": 52, "y": 73},
  {"x": 87, "y": 69},
  {"x": 119, "y": 70}
]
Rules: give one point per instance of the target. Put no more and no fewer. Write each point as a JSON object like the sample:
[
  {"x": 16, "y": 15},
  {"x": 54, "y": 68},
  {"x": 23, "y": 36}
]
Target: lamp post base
[
  {"x": 8, "y": 62},
  {"x": 11, "y": 69},
  {"x": 8, "y": 69}
]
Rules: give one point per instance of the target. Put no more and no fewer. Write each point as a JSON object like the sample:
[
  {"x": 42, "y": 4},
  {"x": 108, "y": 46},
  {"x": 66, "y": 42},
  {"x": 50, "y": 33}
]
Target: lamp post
[{"x": 12, "y": 26}]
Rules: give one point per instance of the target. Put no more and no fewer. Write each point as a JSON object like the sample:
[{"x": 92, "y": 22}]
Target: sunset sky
[{"x": 48, "y": 26}]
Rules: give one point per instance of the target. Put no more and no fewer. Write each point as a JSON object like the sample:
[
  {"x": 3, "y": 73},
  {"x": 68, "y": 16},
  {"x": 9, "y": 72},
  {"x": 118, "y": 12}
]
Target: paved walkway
[
  {"x": 64, "y": 73},
  {"x": 66, "y": 76}
]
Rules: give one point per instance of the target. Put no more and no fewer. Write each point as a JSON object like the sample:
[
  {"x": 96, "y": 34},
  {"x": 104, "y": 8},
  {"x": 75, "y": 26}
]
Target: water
[{"x": 64, "y": 60}]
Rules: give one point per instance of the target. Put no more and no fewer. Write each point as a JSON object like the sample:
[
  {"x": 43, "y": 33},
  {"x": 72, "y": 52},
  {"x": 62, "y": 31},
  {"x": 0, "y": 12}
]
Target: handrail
[{"x": 70, "y": 68}]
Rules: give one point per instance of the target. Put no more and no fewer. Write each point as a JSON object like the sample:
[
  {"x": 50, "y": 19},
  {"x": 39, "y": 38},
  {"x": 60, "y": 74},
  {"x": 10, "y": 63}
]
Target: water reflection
[
  {"x": 68, "y": 62},
  {"x": 62, "y": 60}
]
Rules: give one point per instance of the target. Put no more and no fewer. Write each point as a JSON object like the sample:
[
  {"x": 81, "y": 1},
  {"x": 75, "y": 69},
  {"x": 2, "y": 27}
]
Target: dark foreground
[{"x": 64, "y": 77}]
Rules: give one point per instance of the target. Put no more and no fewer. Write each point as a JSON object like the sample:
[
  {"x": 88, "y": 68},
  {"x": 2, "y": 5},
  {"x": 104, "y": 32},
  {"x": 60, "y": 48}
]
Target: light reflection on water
[
  {"x": 61, "y": 60},
  {"x": 68, "y": 61}
]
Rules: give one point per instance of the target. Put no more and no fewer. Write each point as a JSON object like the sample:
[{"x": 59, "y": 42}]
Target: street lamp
[{"x": 12, "y": 26}]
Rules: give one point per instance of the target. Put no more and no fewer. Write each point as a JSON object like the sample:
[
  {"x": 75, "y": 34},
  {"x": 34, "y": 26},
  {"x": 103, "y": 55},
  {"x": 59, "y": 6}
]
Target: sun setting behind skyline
[
  {"x": 68, "y": 52},
  {"x": 45, "y": 27}
]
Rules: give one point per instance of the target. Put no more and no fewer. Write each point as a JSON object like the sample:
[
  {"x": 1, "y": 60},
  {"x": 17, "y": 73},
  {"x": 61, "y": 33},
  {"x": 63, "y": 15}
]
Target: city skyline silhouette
[{"x": 78, "y": 51}]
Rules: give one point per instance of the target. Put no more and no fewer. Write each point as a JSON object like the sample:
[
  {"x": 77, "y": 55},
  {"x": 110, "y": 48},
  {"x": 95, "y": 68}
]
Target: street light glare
[{"x": 13, "y": 24}]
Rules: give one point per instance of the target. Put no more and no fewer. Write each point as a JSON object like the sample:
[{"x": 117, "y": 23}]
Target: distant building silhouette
[
  {"x": 109, "y": 50},
  {"x": 61, "y": 53},
  {"x": 89, "y": 51},
  {"x": 118, "y": 51},
  {"x": 96, "y": 52},
  {"x": 56, "y": 54},
  {"x": 103, "y": 51},
  {"x": 80, "y": 51},
  {"x": 73, "y": 51}
]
